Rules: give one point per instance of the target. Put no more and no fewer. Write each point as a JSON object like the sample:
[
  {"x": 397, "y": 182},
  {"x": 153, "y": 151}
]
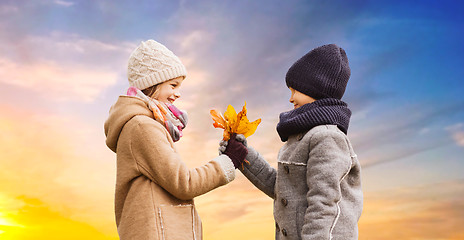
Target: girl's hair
[{"x": 151, "y": 92}]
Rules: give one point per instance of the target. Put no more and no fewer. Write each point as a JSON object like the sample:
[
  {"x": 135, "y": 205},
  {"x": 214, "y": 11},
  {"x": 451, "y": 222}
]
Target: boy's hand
[
  {"x": 239, "y": 137},
  {"x": 236, "y": 151}
]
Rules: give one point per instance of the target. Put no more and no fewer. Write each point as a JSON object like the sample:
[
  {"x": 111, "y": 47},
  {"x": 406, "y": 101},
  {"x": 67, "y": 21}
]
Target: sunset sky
[{"x": 63, "y": 64}]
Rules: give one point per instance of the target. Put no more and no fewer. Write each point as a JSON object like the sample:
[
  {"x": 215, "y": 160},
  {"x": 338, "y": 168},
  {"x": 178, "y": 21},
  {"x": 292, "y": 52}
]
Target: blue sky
[{"x": 63, "y": 64}]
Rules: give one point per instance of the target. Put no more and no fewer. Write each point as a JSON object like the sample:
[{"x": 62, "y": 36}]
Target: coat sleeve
[
  {"x": 260, "y": 173},
  {"x": 328, "y": 164},
  {"x": 158, "y": 161}
]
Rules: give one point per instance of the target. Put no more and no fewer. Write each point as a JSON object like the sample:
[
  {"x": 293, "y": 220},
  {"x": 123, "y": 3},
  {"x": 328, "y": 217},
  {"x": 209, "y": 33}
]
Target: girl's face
[
  {"x": 169, "y": 91},
  {"x": 299, "y": 99}
]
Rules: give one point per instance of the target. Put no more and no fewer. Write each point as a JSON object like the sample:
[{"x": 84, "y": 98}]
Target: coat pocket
[{"x": 177, "y": 222}]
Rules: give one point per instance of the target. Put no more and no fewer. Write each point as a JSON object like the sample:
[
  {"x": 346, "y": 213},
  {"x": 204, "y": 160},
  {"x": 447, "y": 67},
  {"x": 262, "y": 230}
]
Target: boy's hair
[
  {"x": 321, "y": 73},
  {"x": 152, "y": 63}
]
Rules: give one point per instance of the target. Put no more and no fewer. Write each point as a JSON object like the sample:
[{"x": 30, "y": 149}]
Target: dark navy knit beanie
[{"x": 321, "y": 73}]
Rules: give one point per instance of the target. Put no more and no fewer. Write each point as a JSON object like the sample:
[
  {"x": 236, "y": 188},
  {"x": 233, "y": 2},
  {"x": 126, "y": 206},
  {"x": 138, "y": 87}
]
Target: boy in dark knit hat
[{"x": 317, "y": 185}]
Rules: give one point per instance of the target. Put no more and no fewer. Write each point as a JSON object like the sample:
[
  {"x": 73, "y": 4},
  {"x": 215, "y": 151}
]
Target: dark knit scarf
[{"x": 324, "y": 111}]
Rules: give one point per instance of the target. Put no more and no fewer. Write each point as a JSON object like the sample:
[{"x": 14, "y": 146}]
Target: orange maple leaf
[{"x": 232, "y": 122}]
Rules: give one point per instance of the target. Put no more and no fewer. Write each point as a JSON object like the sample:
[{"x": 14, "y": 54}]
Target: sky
[{"x": 63, "y": 64}]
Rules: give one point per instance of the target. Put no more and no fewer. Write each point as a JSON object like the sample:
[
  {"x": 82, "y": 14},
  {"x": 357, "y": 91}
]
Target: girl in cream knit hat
[{"x": 154, "y": 188}]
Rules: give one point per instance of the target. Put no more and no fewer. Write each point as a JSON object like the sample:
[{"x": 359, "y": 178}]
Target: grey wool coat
[{"x": 316, "y": 187}]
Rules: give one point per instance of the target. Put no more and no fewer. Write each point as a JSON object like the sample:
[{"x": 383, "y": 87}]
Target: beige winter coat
[{"x": 154, "y": 188}]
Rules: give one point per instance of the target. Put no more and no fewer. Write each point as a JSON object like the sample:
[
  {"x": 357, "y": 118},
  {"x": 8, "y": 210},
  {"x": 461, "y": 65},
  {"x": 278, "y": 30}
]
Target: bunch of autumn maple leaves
[{"x": 232, "y": 123}]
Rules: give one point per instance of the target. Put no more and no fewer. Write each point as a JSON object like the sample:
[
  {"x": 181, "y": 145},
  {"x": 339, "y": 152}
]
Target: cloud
[
  {"x": 255, "y": 56},
  {"x": 414, "y": 212},
  {"x": 8, "y": 9},
  {"x": 459, "y": 138},
  {"x": 394, "y": 134},
  {"x": 42, "y": 157},
  {"x": 51, "y": 80},
  {"x": 457, "y": 133},
  {"x": 63, "y": 66},
  {"x": 64, "y": 3}
]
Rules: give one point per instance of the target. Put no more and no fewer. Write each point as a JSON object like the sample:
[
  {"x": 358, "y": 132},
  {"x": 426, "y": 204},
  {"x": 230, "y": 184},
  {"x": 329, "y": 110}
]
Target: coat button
[
  {"x": 287, "y": 170},
  {"x": 284, "y": 232},
  {"x": 284, "y": 201},
  {"x": 277, "y": 227}
]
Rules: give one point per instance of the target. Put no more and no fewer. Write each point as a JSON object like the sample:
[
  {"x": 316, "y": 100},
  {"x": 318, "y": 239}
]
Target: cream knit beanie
[{"x": 152, "y": 63}]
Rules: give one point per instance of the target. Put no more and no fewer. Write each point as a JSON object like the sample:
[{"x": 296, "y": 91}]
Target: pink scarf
[{"x": 166, "y": 113}]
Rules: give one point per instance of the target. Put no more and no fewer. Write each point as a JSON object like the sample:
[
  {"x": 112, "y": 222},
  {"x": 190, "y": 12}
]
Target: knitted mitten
[
  {"x": 223, "y": 144},
  {"x": 236, "y": 151}
]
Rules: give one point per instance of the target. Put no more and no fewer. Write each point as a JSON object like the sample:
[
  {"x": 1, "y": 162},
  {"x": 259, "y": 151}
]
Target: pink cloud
[
  {"x": 457, "y": 133},
  {"x": 63, "y": 66},
  {"x": 52, "y": 80}
]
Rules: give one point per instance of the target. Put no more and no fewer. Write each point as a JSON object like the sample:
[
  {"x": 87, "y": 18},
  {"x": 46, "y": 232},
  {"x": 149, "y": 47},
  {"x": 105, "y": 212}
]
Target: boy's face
[{"x": 299, "y": 99}]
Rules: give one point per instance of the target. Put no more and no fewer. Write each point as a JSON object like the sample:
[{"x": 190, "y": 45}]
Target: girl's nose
[{"x": 177, "y": 94}]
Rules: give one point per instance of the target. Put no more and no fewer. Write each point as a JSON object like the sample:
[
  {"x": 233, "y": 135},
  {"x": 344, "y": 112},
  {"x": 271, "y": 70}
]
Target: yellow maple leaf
[{"x": 232, "y": 122}]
